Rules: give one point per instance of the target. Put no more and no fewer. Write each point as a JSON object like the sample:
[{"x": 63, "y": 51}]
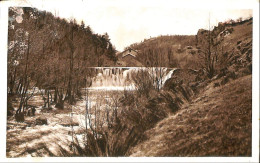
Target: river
[{"x": 25, "y": 139}]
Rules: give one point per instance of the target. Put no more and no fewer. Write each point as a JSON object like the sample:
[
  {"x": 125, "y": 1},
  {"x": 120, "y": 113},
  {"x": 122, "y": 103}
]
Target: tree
[
  {"x": 209, "y": 54},
  {"x": 52, "y": 54}
]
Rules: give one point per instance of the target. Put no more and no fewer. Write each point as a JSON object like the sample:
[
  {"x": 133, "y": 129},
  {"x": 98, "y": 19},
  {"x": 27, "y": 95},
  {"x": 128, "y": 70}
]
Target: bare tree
[{"x": 210, "y": 54}]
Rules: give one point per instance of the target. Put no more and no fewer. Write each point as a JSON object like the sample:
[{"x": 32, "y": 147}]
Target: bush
[{"x": 143, "y": 82}]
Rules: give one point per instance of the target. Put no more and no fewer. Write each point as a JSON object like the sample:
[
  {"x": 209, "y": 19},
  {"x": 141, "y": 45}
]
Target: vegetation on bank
[
  {"x": 218, "y": 122},
  {"x": 52, "y": 54},
  {"x": 198, "y": 112}
]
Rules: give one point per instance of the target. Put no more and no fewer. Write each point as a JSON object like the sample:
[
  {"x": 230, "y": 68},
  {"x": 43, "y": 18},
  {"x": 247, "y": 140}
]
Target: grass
[{"x": 217, "y": 123}]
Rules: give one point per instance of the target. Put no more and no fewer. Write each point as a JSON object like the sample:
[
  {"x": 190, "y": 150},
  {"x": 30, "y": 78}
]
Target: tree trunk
[
  {"x": 25, "y": 83},
  {"x": 69, "y": 90},
  {"x": 48, "y": 99},
  {"x": 55, "y": 95}
]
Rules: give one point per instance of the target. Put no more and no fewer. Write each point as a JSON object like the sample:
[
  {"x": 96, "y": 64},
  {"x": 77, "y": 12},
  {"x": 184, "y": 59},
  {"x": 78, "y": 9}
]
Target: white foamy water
[
  {"x": 48, "y": 140},
  {"x": 120, "y": 78}
]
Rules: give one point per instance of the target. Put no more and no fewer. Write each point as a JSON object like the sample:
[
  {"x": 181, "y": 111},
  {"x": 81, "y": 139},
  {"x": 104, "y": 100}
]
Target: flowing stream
[
  {"x": 28, "y": 140},
  {"x": 120, "y": 78}
]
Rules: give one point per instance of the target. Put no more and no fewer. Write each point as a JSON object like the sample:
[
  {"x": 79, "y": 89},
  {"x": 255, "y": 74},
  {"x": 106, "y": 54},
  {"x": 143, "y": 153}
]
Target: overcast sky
[{"x": 130, "y": 21}]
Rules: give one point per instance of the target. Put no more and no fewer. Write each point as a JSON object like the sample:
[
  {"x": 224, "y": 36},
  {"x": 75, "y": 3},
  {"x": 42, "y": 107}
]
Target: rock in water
[{"x": 41, "y": 121}]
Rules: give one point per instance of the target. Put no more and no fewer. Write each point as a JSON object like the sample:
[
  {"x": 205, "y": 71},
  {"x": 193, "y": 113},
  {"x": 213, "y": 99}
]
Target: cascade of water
[
  {"x": 168, "y": 76},
  {"x": 120, "y": 78}
]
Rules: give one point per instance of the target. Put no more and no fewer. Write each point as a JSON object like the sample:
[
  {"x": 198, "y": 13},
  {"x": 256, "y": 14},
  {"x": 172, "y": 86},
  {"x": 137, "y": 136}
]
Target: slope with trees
[
  {"x": 52, "y": 54},
  {"x": 217, "y": 120},
  {"x": 166, "y": 51}
]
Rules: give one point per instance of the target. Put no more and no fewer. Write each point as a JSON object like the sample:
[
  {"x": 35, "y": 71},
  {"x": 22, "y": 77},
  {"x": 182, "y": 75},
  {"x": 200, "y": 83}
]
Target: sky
[{"x": 131, "y": 21}]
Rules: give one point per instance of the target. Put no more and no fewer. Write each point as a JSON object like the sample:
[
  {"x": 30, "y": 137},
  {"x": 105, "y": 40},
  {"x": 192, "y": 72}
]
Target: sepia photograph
[{"x": 122, "y": 80}]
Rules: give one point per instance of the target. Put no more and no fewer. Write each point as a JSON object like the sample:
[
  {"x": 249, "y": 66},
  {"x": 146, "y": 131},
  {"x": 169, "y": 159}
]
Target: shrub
[{"x": 143, "y": 82}]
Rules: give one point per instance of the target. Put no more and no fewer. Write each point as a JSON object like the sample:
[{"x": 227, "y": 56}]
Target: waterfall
[{"x": 120, "y": 78}]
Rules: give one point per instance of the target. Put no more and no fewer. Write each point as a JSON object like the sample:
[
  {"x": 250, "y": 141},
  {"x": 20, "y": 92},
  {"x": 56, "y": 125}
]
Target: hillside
[
  {"x": 228, "y": 40},
  {"x": 167, "y": 51},
  {"x": 217, "y": 120},
  {"x": 216, "y": 123},
  {"x": 173, "y": 41},
  {"x": 232, "y": 46}
]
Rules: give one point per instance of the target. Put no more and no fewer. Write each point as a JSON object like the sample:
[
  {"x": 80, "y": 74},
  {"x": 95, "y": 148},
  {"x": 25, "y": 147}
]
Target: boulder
[{"x": 41, "y": 121}]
